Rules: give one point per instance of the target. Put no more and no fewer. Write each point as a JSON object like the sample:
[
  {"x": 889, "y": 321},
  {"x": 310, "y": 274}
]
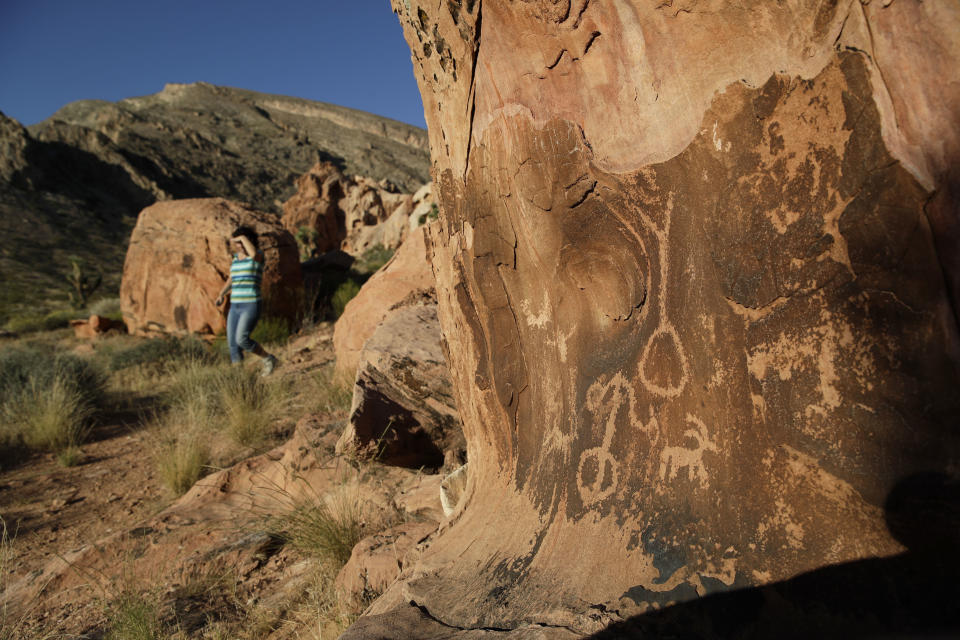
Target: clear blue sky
[{"x": 348, "y": 52}]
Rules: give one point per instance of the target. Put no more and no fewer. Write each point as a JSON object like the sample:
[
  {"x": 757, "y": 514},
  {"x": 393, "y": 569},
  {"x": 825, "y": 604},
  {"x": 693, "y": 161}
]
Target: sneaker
[{"x": 269, "y": 363}]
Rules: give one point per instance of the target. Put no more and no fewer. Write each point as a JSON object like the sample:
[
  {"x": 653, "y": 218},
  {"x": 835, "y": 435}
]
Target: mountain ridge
[{"x": 72, "y": 185}]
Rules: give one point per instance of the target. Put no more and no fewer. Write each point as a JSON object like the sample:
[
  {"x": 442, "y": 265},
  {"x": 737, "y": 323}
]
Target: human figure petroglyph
[{"x": 607, "y": 401}]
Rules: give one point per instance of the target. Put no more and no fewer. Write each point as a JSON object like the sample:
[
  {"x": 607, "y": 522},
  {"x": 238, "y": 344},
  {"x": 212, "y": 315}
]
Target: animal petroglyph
[{"x": 672, "y": 459}]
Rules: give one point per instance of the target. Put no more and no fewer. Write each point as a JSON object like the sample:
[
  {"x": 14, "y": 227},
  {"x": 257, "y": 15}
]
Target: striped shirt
[{"x": 245, "y": 277}]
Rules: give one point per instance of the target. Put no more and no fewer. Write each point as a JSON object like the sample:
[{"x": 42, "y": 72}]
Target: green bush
[
  {"x": 22, "y": 368},
  {"x": 161, "y": 352},
  {"x": 271, "y": 331},
  {"x": 344, "y": 294},
  {"x": 107, "y": 308},
  {"x": 373, "y": 258},
  {"x": 48, "y": 399}
]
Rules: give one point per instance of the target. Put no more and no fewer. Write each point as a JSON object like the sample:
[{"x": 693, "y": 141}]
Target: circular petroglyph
[
  {"x": 597, "y": 475},
  {"x": 663, "y": 365}
]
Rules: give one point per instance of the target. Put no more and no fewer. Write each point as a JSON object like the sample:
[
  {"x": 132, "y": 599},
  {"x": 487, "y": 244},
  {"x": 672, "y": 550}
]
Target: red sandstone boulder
[
  {"x": 179, "y": 258},
  {"x": 697, "y": 270},
  {"x": 96, "y": 326},
  {"x": 407, "y": 272},
  {"x": 334, "y": 211},
  {"x": 314, "y": 208},
  {"x": 403, "y": 411},
  {"x": 377, "y": 560}
]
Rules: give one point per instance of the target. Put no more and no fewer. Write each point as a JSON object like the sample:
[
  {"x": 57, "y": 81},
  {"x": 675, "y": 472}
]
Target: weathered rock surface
[
  {"x": 377, "y": 560},
  {"x": 407, "y": 272},
  {"x": 403, "y": 411},
  {"x": 352, "y": 213},
  {"x": 694, "y": 268},
  {"x": 179, "y": 258}
]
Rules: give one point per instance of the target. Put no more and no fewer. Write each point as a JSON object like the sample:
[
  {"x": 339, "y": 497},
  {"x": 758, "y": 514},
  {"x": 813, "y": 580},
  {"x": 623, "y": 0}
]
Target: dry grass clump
[
  {"x": 182, "y": 458},
  {"x": 328, "y": 391},
  {"x": 48, "y": 400},
  {"x": 133, "y": 615},
  {"x": 327, "y": 529},
  {"x": 211, "y": 407}
]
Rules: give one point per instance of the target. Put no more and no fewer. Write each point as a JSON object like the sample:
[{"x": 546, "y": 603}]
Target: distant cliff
[{"x": 73, "y": 184}]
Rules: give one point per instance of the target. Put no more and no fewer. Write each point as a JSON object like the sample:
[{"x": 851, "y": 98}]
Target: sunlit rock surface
[
  {"x": 179, "y": 259},
  {"x": 694, "y": 268}
]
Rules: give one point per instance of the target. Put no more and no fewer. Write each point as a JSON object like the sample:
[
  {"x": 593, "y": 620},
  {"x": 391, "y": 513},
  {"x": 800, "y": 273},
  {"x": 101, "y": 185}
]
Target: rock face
[
  {"x": 403, "y": 410},
  {"x": 179, "y": 258},
  {"x": 352, "y": 213},
  {"x": 377, "y": 560},
  {"x": 694, "y": 269},
  {"x": 407, "y": 272}
]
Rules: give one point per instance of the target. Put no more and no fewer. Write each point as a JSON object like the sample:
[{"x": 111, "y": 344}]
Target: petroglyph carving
[
  {"x": 598, "y": 471},
  {"x": 663, "y": 366},
  {"x": 672, "y": 459}
]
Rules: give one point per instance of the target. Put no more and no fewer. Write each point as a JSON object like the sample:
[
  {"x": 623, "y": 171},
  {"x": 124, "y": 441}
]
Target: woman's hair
[{"x": 249, "y": 233}]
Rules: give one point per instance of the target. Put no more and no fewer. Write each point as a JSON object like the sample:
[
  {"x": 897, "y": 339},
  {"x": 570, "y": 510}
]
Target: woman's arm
[
  {"x": 250, "y": 249},
  {"x": 223, "y": 292}
]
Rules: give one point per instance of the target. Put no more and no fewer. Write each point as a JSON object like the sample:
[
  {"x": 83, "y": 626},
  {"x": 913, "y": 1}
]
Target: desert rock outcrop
[
  {"x": 403, "y": 411},
  {"x": 88, "y": 170},
  {"x": 694, "y": 267},
  {"x": 407, "y": 272},
  {"x": 179, "y": 258},
  {"x": 353, "y": 213}
]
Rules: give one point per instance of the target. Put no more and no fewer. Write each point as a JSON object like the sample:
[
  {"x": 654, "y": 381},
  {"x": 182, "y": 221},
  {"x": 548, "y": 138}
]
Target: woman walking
[{"x": 243, "y": 287}]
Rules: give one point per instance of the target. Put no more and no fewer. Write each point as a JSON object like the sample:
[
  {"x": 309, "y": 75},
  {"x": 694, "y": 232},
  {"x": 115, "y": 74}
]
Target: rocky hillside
[{"x": 72, "y": 185}]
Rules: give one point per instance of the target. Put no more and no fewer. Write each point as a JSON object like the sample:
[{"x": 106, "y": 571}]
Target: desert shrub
[
  {"x": 326, "y": 528},
  {"x": 107, "y": 308},
  {"x": 373, "y": 258},
  {"x": 160, "y": 353},
  {"x": 344, "y": 294},
  {"x": 306, "y": 238},
  {"x": 182, "y": 458},
  {"x": 47, "y": 322},
  {"x": 47, "y": 399},
  {"x": 271, "y": 330},
  {"x": 21, "y": 366}
]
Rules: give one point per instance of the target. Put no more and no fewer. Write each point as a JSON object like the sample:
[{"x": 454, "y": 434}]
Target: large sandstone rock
[
  {"x": 179, "y": 259},
  {"x": 403, "y": 411},
  {"x": 407, "y": 272},
  {"x": 694, "y": 269},
  {"x": 353, "y": 213}
]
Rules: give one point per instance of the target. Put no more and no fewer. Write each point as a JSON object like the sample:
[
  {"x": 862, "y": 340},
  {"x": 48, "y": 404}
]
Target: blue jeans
[{"x": 241, "y": 320}]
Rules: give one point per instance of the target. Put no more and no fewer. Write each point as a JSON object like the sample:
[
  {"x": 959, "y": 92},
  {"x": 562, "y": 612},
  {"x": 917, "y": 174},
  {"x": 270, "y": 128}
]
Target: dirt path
[{"x": 51, "y": 510}]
